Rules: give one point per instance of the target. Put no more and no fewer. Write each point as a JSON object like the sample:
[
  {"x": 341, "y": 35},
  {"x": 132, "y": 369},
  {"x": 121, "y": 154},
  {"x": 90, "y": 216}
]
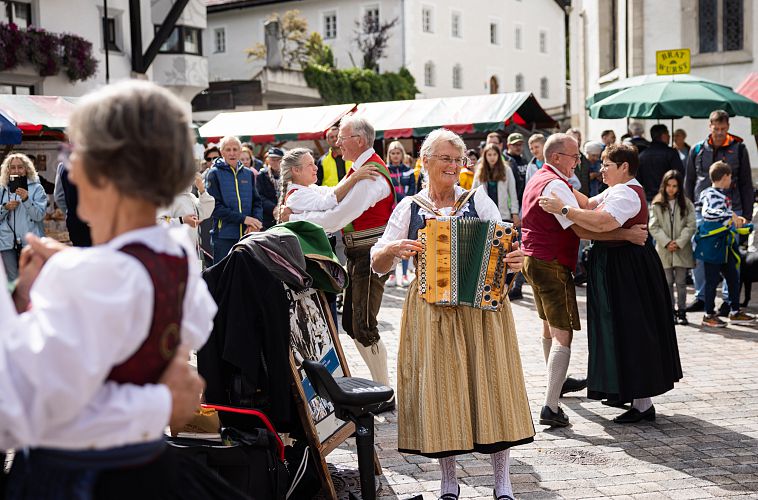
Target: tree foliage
[
  {"x": 372, "y": 37},
  {"x": 293, "y": 36},
  {"x": 340, "y": 86}
]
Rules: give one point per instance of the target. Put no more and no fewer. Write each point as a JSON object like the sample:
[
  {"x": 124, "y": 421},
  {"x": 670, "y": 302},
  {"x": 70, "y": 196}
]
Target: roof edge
[{"x": 243, "y": 4}]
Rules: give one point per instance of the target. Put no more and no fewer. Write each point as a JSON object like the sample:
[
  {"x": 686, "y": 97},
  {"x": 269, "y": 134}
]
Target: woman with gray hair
[
  {"x": 22, "y": 208},
  {"x": 459, "y": 376},
  {"x": 112, "y": 315}
]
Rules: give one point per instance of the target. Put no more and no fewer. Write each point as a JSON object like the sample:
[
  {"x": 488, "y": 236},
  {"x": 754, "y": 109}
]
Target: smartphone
[{"x": 18, "y": 181}]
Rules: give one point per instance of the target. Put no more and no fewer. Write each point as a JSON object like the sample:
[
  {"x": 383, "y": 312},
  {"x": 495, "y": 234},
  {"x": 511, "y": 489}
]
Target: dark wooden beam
[
  {"x": 135, "y": 29},
  {"x": 141, "y": 62}
]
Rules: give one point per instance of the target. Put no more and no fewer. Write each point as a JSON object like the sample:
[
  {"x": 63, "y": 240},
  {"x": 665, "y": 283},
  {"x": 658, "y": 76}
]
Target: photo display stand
[{"x": 314, "y": 336}]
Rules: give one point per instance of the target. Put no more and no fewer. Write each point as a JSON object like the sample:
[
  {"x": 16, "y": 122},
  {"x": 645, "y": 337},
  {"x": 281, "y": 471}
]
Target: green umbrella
[
  {"x": 636, "y": 81},
  {"x": 673, "y": 99}
]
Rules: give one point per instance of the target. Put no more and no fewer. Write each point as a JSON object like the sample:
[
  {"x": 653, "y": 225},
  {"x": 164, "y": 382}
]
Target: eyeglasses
[
  {"x": 343, "y": 138},
  {"x": 462, "y": 161},
  {"x": 212, "y": 158},
  {"x": 607, "y": 165},
  {"x": 576, "y": 157}
]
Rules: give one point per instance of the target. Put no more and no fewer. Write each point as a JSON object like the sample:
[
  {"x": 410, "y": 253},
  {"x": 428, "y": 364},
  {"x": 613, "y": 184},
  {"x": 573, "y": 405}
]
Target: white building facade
[
  {"x": 614, "y": 39},
  {"x": 451, "y": 48},
  {"x": 180, "y": 65}
]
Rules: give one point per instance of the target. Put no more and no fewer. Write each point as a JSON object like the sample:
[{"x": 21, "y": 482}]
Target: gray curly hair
[
  {"x": 31, "y": 172},
  {"x": 135, "y": 135},
  {"x": 441, "y": 135}
]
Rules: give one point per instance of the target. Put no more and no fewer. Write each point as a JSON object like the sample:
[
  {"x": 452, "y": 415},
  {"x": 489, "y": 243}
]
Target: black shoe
[
  {"x": 681, "y": 317},
  {"x": 616, "y": 403},
  {"x": 552, "y": 418},
  {"x": 515, "y": 294},
  {"x": 634, "y": 415},
  {"x": 573, "y": 385},
  {"x": 696, "y": 305},
  {"x": 580, "y": 279},
  {"x": 501, "y": 497},
  {"x": 386, "y": 406},
  {"x": 724, "y": 310}
]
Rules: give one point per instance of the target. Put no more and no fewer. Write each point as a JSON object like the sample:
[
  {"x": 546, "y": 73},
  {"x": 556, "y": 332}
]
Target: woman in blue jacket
[
  {"x": 239, "y": 208},
  {"x": 22, "y": 209}
]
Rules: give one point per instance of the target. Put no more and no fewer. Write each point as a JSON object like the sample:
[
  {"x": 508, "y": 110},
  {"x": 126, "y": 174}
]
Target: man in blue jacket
[{"x": 239, "y": 209}]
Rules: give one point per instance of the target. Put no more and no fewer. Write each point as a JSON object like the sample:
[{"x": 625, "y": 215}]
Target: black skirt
[{"x": 633, "y": 351}]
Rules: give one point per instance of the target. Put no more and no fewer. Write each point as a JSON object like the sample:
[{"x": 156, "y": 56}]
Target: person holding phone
[{"x": 22, "y": 208}]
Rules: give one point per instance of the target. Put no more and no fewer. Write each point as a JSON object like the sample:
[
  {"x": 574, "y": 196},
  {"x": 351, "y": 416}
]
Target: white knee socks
[
  {"x": 547, "y": 344},
  {"x": 375, "y": 358},
  {"x": 501, "y": 464},
  {"x": 642, "y": 404},
  {"x": 449, "y": 481},
  {"x": 557, "y": 367}
]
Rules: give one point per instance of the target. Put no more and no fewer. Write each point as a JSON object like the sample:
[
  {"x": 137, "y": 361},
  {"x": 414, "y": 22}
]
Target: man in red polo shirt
[
  {"x": 362, "y": 216},
  {"x": 551, "y": 243}
]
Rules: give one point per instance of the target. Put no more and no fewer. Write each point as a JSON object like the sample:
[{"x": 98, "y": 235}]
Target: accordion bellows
[{"x": 462, "y": 262}]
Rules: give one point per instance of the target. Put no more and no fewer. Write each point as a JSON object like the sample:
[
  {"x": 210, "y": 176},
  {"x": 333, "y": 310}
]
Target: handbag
[{"x": 252, "y": 461}]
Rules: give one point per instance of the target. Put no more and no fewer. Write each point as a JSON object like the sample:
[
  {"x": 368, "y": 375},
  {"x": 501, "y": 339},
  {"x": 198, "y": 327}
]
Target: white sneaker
[
  {"x": 404, "y": 282},
  {"x": 391, "y": 281}
]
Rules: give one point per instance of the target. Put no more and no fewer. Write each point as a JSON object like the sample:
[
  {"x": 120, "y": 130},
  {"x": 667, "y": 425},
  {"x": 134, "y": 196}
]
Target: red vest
[
  {"x": 642, "y": 215},
  {"x": 169, "y": 277},
  {"x": 542, "y": 236},
  {"x": 379, "y": 214}
]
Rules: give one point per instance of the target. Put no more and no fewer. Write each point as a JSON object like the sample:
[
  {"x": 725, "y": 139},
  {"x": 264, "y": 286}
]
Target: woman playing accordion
[{"x": 460, "y": 381}]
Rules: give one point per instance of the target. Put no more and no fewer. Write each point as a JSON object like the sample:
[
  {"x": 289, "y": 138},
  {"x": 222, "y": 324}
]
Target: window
[
  {"x": 457, "y": 77},
  {"x": 494, "y": 33},
  {"x": 494, "y": 85},
  {"x": 608, "y": 40},
  {"x": 184, "y": 40},
  {"x": 19, "y": 13},
  {"x": 544, "y": 89},
  {"x": 456, "y": 30},
  {"x": 427, "y": 20},
  {"x": 372, "y": 19},
  {"x": 517, "y": 44},
  {"x": 219, "y": 40},
  {"x": 330, "y": 26},
  {"x": 519, "y": 83},
  {"x": 111, "y": 40},
  {"x": 429, "y": 74},
  {"x": 720, "y": 25},
  {"x": 543, "y": 42},
  {"x": 12, "y": 88}
]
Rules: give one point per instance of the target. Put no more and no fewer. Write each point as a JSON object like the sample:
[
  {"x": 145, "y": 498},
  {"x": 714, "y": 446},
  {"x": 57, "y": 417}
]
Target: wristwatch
[{"x": 565, "y": 211}]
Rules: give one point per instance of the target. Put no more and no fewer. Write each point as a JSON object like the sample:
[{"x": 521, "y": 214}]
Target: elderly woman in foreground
[
  {"x": 460, "y": 381},
  {"x": 112, "y": 315}
]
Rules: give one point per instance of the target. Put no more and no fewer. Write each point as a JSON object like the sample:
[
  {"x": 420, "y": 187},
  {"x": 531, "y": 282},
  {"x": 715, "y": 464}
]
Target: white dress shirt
[
  {"x": 91, "y": 310},
  {"x": 364, "y": 195},
  {"x": 562, "y": 191},
  {"x": 620, "y": 201},
  {"x": 400, "y": 220},
  {"x": 310, "y": 198}
]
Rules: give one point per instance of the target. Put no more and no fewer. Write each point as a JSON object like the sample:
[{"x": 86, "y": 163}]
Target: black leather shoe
[
  {"x": 681, "y": 317},
  {"x": 696, "y": 305},
  {"x": 552, "y": 418},
  {"x": 501, "y": 497},
  {"x": 573, "y": 385},
  {"x": 634, "y": 415},
  {"x": 724, "y": 310},
  {"x": 386, "y": 406},
  {"x": 616, "y": 403}
]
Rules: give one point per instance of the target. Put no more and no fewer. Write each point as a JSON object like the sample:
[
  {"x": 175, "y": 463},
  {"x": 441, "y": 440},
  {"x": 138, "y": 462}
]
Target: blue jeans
[
  {"x": 221, "y": 248},
  {"x": 732, "y": 278},
  {"x": 698, "y": 273}
]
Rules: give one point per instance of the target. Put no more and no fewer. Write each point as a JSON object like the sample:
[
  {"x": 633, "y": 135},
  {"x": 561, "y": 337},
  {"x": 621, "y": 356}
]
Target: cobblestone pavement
[{"x": 703, "y": 444}]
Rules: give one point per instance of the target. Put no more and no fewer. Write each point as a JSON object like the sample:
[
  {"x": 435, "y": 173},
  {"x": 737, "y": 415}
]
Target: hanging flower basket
[{"x": 48, "y": 52}]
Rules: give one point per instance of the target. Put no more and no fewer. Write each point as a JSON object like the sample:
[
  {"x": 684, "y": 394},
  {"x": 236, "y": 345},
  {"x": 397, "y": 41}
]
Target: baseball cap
[
  {"x": 515, "y": 137},
  {"x": 275, "y": 152}
]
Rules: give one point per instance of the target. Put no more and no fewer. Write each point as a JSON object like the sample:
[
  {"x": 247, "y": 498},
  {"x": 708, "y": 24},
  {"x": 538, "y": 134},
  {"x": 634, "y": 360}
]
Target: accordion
[{"x": 462, "y": 262}]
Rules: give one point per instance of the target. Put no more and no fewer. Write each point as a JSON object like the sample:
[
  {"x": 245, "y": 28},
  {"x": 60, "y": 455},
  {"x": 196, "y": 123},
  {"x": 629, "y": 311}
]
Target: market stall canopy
[
  {"x": 9, "y": 133},
  {"x": 276, "y": 125},
  {"x": 639, "y": 80},
  {"x": 34, "y": 114},
  {"x": 483, "y": 113},
  {"x": 674, "y": 99},
  {"x": 749, "y": 87}
]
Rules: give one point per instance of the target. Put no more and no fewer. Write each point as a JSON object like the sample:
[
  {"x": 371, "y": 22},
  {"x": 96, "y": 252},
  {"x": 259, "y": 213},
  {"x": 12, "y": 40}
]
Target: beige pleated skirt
[{"x": 460, "y": 382}]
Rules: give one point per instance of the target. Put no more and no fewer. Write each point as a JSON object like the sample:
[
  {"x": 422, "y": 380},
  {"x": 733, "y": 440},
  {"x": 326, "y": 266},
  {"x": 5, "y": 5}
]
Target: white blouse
[
  {"x": 620, "y": 201},
  {"x": 400, "y": 220},
  {"x": 91, "y": 310},
  {"x": 310, "y": 198}
]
